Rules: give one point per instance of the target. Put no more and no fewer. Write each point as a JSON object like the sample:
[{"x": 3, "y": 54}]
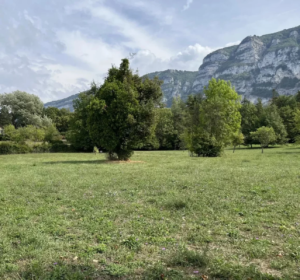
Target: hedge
[{"x": 7, "y": 148}]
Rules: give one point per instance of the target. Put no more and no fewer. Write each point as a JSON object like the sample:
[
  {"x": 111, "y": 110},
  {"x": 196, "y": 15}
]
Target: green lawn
[{"x": 170, "y": 216}]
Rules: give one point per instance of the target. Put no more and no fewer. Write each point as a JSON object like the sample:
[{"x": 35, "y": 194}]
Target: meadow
[{"x": 164, "y": 215}]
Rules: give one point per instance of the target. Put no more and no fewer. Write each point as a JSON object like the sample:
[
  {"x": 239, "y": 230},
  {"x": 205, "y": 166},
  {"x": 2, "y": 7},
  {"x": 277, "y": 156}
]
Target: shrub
[
  {"x": 51, "y": 134},
  {"x": 42, "y": 148},
  {"x": 7, "y": 148},
  {"x": 201, "y": 145},
  {"x": 60, "y": 147}
]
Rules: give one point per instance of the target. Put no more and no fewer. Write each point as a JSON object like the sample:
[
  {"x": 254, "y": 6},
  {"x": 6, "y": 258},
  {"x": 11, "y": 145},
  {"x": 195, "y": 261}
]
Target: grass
[{"x": 168, "y": 216}]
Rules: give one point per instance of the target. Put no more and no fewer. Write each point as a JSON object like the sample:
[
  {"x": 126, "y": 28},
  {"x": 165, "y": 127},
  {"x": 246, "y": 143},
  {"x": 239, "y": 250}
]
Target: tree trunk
[
  {"x": 262, "y": 150},
  {"x": 233, "y": 149},
  {"x": 251, "y": 146}
]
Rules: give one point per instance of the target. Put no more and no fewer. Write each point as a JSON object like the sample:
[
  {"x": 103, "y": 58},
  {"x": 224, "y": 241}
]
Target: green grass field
[{"x": 167, "y": 216}]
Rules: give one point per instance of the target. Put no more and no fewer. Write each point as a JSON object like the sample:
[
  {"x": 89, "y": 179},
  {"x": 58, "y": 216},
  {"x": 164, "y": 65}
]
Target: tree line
[
  {"x": 205, "y": 124},
  {"x": 126, "y": 113}
]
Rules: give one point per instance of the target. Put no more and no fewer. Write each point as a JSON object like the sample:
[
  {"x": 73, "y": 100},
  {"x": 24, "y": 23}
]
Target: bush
[
  {"x": 205, "y": 146},
  {"x": 60, "y": 147},
  {"x": 209, "y": 151},
  {"x": 42, "y": 148},
  {"x": 122, "y": 155},
  {"x": 7, "y": 148}
]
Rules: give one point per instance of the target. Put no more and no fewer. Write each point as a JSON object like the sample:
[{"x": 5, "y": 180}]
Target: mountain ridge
[{"x": 254, "y": 67}]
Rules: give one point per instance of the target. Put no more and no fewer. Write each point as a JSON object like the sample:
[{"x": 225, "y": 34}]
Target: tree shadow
[
  {"x": 69, "y": 271},
  {"x": 289, "y": 153},
  {"x": 253, "y": 148},
  {"x": 100, "y": 161},
  {"x": 180, "y": 265},
  {"x": 294, "y": 148}
]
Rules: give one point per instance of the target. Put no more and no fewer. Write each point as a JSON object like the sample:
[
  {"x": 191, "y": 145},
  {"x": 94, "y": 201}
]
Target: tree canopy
[
  {"x": 78, "y": 134},
  {"x": 20, "y": 109},
  {"x": 122, "y": 112},
  {"x": 212, "y": 120},
  {"x": 60, "y": 117},
  {"x": 265, "y": 136}
]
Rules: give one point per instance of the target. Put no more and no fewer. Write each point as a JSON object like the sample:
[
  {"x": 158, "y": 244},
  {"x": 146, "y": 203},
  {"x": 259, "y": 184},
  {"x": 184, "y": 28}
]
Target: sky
[{"x": 56, "y": 48}]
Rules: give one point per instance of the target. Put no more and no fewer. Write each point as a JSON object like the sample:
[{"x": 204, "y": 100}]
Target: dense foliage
[
  {"x": 122, "y": 113},
  {"x": 78, "y": 134},
  {"x": 7, "y": 148},
  {"x": 20, "y": 109},
  {"x": 265, "y": 136},
  {"x": 60, "y": 117},
  {"x": 280, "y": 113},
  {"x": 31, "y": 133},
  {"x": 213, "y": 120}
]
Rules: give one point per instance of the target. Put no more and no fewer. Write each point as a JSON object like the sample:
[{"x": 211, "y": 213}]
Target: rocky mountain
[
  {"x": 176, "y": 83},
  {"x": 63, "y": 103},
  {"x": 255, "y": 67}
]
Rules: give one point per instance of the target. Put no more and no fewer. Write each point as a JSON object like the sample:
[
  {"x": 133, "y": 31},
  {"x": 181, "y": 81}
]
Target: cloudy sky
[{"x": 55, "y": 48}]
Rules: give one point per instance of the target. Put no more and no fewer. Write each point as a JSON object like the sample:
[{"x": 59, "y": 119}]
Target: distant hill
[
  {"x": 176, "y": 83},
  {"x": 63, "y": 103},
  {"x": 255, "y": 67}
]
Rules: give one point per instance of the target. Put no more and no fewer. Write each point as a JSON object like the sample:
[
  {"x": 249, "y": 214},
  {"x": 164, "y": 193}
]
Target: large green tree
[
  {"x": 178, "y": 109},
  {"x": 218, "y": 119},
  {"x": 249, "y": 120},
  {"x": 237, "y": 139},
  {"x": 78, "y": 134},
  {"x": 164, "y": 130},
  {"x": 272, "y": 119},
  {"x": 122, "y": 113},
  {"x": 297, "y": 124},
  {"x": 20, "y": 109},
  {"x": 5, "y": 116},
  {"x": 287, "y": 106}
]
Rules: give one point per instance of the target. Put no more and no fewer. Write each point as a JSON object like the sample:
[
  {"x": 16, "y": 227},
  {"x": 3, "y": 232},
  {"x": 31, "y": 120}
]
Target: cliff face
[
  {"x": 176, "y": 83},
  {"x": 257, "y": 65}
]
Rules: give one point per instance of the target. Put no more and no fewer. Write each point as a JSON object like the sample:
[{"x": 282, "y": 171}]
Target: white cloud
[
  {"x": 57, "y": 56},
  {"x": 136, "y": 36},
  {"x": 188, "y": 4},
  {"x": 189, "y": 59},
  {"x": 233, "y": 44}
]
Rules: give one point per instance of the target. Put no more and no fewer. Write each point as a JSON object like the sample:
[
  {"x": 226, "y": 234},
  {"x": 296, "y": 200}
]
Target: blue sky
[{"x": 55, "y": 48}]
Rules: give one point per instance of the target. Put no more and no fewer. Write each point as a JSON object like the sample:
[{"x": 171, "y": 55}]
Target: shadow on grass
[
  {"x": 100, "y": 161},
  {"x": 64, "y": 271},
  {"x": 289, "y": 152},
  {"x": 253, "y": 148},
  {"x": 186, "y": 264},
  {"x": 179, "y": 265}
]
